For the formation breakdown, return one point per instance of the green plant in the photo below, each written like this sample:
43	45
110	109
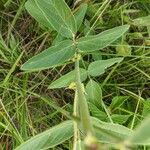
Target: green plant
88	131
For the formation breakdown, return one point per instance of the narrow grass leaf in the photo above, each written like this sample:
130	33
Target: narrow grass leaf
102	40
53	13
53	56
67	79
50	138
12	69
141	135
97	68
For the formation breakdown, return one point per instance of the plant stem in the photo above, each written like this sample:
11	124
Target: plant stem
76	130
148	30
82	103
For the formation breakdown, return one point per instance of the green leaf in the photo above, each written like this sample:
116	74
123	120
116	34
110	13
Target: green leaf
53	13
142	21
94	93
96	56
110	133
87	28
97	68
124	49
50	138
37	13
80	14
141	135
51	57
97	112
117	101
67	79
104	39
121	119
146	108
58	39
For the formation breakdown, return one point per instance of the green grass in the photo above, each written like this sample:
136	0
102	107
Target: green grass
27	107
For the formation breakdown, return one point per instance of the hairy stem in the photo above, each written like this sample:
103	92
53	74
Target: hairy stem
76	130
82	103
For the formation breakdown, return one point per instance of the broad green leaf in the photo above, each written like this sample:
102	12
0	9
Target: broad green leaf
53	56
121	119
117	101
97	68
80	14
53	13
67	79
59	38
87	28
141	135
143	21
96	112
104	39
50	138
94	93
146	108
37	13
110	133
96	56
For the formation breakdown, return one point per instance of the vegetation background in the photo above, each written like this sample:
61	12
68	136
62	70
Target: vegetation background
27	107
